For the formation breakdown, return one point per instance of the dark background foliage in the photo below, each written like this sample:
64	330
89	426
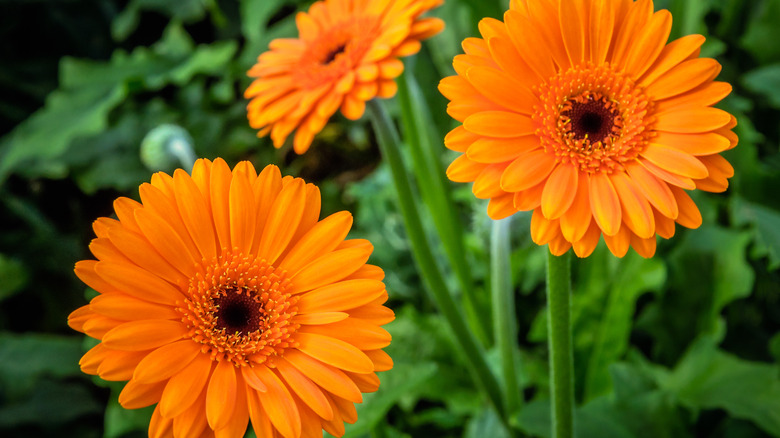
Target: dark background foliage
685	344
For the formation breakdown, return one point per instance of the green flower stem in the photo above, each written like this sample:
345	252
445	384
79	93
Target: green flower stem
416	124
559	335
389	144
504	323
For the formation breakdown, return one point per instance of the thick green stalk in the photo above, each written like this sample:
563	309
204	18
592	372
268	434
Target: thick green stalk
389	144
504	321
417	125
559	336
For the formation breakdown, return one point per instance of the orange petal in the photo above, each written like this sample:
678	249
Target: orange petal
559	191
192	422
636	211
136	395
502	89
689	216
283	220
674	161
125	208
382	361
577	219
527	171
126	307
241	202
585	246
692	120
459	139
329	378
685	76
138	283
166	241
279	404
694	144
655	190
643	247
672	55
362	334
499	150
340	296
605	204
119	365
501	207
220	203
321	239
619	243
334	352
529	199
669	177
543	230
145	334
195	214
221	394
487	185
166	361
500	124
649	43
185	387
143	254
330	268
160	427
463	169
573	16
310	393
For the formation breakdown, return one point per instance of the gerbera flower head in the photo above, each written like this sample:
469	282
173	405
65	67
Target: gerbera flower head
580	111
223	299
346	54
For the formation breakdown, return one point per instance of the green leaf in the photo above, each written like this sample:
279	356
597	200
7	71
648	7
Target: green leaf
26	358
66	116
255	15
400	382
486	424
766	228
761	35
14	276
707	378
51	403
634	277
764	81
120	421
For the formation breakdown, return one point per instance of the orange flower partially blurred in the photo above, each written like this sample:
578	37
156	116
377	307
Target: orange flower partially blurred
580	111
346	54
223	299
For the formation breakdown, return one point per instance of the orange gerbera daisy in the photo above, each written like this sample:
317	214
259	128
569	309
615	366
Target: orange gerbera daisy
222	298
347	53
580	111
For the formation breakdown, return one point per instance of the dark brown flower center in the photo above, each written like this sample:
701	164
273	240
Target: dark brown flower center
591	117
237	312
331	55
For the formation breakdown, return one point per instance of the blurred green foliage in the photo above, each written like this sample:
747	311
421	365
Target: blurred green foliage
686	344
